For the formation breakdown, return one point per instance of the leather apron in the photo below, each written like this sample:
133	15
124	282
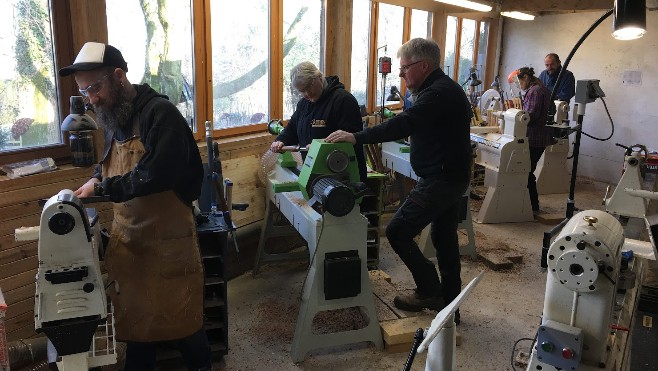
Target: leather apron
153	259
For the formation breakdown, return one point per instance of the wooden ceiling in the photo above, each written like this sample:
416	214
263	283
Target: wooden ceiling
541	6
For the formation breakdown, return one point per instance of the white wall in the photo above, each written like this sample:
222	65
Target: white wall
634	108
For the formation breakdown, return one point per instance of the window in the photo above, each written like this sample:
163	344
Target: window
466	49
302	27
482	49
449	52
472	37
421	24
157	46
389	34
360	43
29	106
240	54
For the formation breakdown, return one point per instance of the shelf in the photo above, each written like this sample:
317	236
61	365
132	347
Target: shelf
212	303
213	325
214	280
213	249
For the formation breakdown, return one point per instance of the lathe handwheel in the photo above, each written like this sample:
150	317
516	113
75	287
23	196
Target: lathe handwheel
337	161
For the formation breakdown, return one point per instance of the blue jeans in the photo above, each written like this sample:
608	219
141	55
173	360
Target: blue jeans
194	349
433	200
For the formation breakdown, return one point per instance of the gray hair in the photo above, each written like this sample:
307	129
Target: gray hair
304	73
421	49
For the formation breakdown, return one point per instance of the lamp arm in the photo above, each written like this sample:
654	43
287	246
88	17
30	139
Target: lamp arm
551	107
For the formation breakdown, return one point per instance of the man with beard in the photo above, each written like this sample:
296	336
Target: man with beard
548	77
151	169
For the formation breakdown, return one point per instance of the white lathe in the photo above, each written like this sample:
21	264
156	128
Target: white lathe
552	171
504	153
70	302
335	233
627	199
590	301
395	159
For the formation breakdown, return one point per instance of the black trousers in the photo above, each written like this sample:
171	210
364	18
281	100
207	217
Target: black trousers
434	201
535	155
194	349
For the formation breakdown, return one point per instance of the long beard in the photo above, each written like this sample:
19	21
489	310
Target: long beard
115	115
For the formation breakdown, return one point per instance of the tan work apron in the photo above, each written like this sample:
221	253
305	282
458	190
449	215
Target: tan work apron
153	258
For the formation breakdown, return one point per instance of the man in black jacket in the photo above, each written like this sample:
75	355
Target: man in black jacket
324	108
151	169
438	124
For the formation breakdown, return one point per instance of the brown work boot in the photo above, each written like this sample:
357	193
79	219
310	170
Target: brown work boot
415	302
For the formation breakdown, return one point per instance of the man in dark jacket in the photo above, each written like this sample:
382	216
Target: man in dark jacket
151	169
438	124
548	77
324	108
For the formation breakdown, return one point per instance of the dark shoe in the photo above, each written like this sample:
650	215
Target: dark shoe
416	302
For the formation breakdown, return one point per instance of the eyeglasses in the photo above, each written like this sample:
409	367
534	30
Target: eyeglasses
405	68
94	88
307	88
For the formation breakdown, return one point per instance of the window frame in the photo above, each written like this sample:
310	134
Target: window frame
68	38
63	48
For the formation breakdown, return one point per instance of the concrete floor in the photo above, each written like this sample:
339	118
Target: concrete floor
505	307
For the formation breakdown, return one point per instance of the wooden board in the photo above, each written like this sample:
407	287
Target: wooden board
20	293
402	330
18	266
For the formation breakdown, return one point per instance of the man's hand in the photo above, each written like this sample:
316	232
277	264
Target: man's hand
87	189
340	136
276	146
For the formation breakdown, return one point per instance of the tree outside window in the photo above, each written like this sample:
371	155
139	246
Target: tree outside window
302	35
360	46
155	38
421	24
240	63
28	96
389	33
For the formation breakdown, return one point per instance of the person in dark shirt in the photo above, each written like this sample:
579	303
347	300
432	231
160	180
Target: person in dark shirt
151	169
325	107
438	124
548	77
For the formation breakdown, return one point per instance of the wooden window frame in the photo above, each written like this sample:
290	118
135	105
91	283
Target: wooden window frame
68	38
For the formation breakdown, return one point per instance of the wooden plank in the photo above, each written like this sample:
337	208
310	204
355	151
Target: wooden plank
339	40
401	331
555	5
19	208
495	261
8	227
17	281
21	307
246	152
25	332
19	321
8	242
65	172
19	266
18	253
21	293
37	192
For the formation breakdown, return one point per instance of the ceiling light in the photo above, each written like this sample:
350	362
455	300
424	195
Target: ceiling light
467	4
630	19
518	15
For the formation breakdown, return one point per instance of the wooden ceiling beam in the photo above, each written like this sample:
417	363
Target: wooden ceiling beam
556	5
